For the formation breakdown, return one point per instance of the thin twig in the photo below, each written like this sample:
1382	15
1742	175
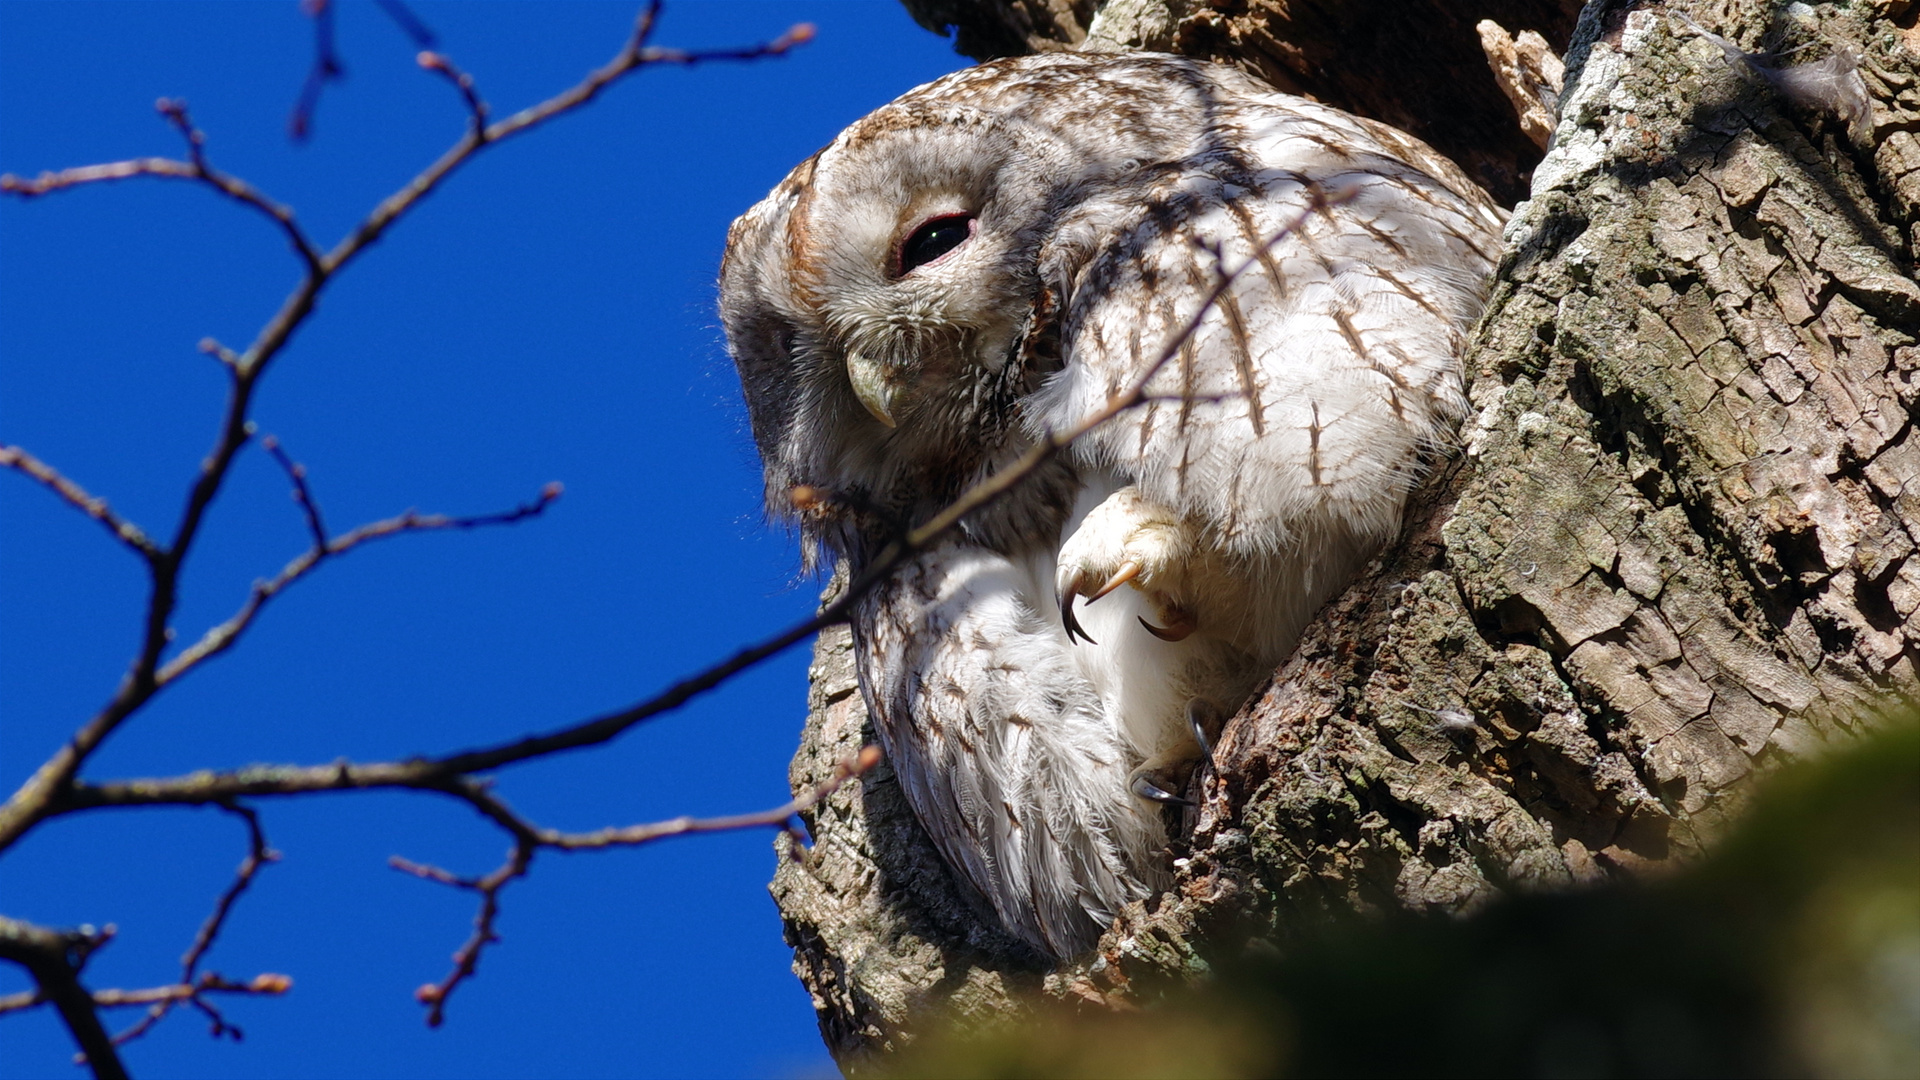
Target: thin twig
463	82
193	984
302	494
196	169
529	838
223	637
466	959
418	32
13	457
630	835
227	357
262	985
326	68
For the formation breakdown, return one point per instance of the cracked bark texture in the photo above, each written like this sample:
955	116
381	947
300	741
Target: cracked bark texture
1675	550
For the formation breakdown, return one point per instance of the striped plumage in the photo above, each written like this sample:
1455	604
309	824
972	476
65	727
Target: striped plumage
994	255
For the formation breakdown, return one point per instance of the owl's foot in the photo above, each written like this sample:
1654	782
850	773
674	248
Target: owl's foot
1127	540
1170	771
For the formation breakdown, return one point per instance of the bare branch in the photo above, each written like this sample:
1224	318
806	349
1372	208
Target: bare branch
528	839
463	82
227	357
258	855
48	182
326	68
262	985
193	985
859	764
466	960
222	637
55	959
13	457
175	110
30	803
797	34
302	494
634	55
195	168
418	32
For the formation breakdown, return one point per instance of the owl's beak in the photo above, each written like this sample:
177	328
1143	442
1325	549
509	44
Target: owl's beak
874	385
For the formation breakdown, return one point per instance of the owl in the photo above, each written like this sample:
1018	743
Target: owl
994	257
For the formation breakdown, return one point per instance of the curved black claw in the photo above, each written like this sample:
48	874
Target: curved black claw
1179	631
1144	787
1072	624
1200	733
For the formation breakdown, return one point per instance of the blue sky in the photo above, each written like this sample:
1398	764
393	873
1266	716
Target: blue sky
547	316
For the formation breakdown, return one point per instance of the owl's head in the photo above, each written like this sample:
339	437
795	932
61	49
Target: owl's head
874	302
877	301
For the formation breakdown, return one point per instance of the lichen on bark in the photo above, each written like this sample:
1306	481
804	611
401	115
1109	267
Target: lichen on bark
1676	549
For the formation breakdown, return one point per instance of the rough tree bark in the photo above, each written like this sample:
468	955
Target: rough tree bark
1676	549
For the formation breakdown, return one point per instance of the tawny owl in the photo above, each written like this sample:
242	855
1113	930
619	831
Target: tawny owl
991	258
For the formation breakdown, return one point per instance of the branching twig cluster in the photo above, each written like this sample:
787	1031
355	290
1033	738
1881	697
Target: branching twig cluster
326	57
529	839
56	957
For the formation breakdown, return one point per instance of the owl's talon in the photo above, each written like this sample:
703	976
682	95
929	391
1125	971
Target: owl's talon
1200	733
1072	624
1182	628
1144	787
1127	572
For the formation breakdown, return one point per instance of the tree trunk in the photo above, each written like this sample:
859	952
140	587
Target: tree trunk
1676	550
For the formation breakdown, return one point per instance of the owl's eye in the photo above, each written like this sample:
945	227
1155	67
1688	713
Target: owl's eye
934	238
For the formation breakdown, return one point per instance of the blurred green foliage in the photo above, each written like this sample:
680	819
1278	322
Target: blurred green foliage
1793	950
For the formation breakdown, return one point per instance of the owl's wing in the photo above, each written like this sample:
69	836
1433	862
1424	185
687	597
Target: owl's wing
1305	400
1000	744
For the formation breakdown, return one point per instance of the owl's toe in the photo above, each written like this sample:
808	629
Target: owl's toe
1147	786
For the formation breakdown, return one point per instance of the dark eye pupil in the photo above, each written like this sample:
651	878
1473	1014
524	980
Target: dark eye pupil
934	239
